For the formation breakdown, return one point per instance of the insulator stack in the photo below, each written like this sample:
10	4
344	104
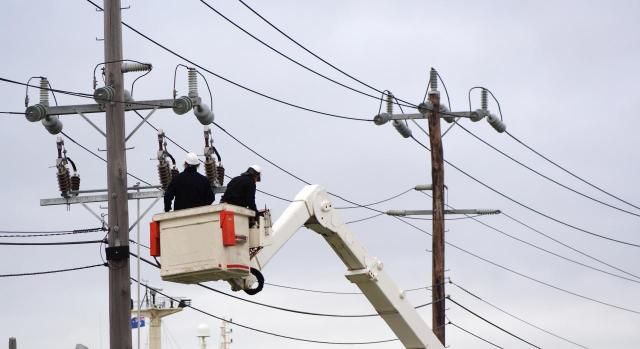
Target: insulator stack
433	79
75	182
174	172
44	92
220	174
193	82
483	99
164	172
389	103
64	182
210	170
128	67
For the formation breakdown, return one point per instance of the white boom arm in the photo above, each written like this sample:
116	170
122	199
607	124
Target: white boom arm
312	208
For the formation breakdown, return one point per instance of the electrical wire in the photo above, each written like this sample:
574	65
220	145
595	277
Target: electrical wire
24	234
377	202
529	207
52	271
546	177
51	243
570	172
284	55
264	331
277	307
12	112
365	219
100	157
524	275
473	334
233	82
492	324
548	251
569	246
517	317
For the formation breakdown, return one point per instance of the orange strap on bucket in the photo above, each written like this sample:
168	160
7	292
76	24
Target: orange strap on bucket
227	225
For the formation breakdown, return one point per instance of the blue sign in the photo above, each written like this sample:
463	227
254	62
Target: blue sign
135	323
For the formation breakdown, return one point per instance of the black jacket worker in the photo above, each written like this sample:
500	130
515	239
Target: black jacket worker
189	188
241	190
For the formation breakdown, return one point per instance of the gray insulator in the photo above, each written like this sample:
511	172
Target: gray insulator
36	112
477	115
133	67
220	174
44	91
449	119
433	79
484	99
402	128
127	96
52	124
192	77
104	94
381	119
182	105
210	170
496	123
204	114
165	174
75	182
64	182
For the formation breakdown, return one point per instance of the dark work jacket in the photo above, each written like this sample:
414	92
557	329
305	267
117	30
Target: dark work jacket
241	191
190	189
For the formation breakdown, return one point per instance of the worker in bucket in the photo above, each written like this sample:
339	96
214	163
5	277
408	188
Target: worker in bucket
189	188
241	190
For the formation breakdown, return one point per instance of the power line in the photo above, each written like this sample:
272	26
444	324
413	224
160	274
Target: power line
493	324
377	202
524	275
27	234
269	332
529	207
287	57
568	246
548	251
315	55
232	82
517	318
570	172
100	157
473	334
59	243
53	271
546	177
277	307
365	219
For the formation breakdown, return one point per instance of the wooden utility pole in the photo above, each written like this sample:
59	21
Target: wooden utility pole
118	249
437	178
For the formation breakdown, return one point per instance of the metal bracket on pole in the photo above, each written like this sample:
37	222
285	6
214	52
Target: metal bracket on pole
91	123
141	122
144	213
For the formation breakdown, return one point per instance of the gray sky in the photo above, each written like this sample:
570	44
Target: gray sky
565	74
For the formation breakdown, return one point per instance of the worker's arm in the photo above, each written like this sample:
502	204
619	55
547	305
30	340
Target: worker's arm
251	196
209	196
169	194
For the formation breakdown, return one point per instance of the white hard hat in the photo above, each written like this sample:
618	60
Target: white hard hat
192	159
257	168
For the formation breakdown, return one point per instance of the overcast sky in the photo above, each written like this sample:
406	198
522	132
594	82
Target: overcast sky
565	73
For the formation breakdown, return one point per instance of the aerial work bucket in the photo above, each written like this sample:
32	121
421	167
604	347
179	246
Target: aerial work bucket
207	243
